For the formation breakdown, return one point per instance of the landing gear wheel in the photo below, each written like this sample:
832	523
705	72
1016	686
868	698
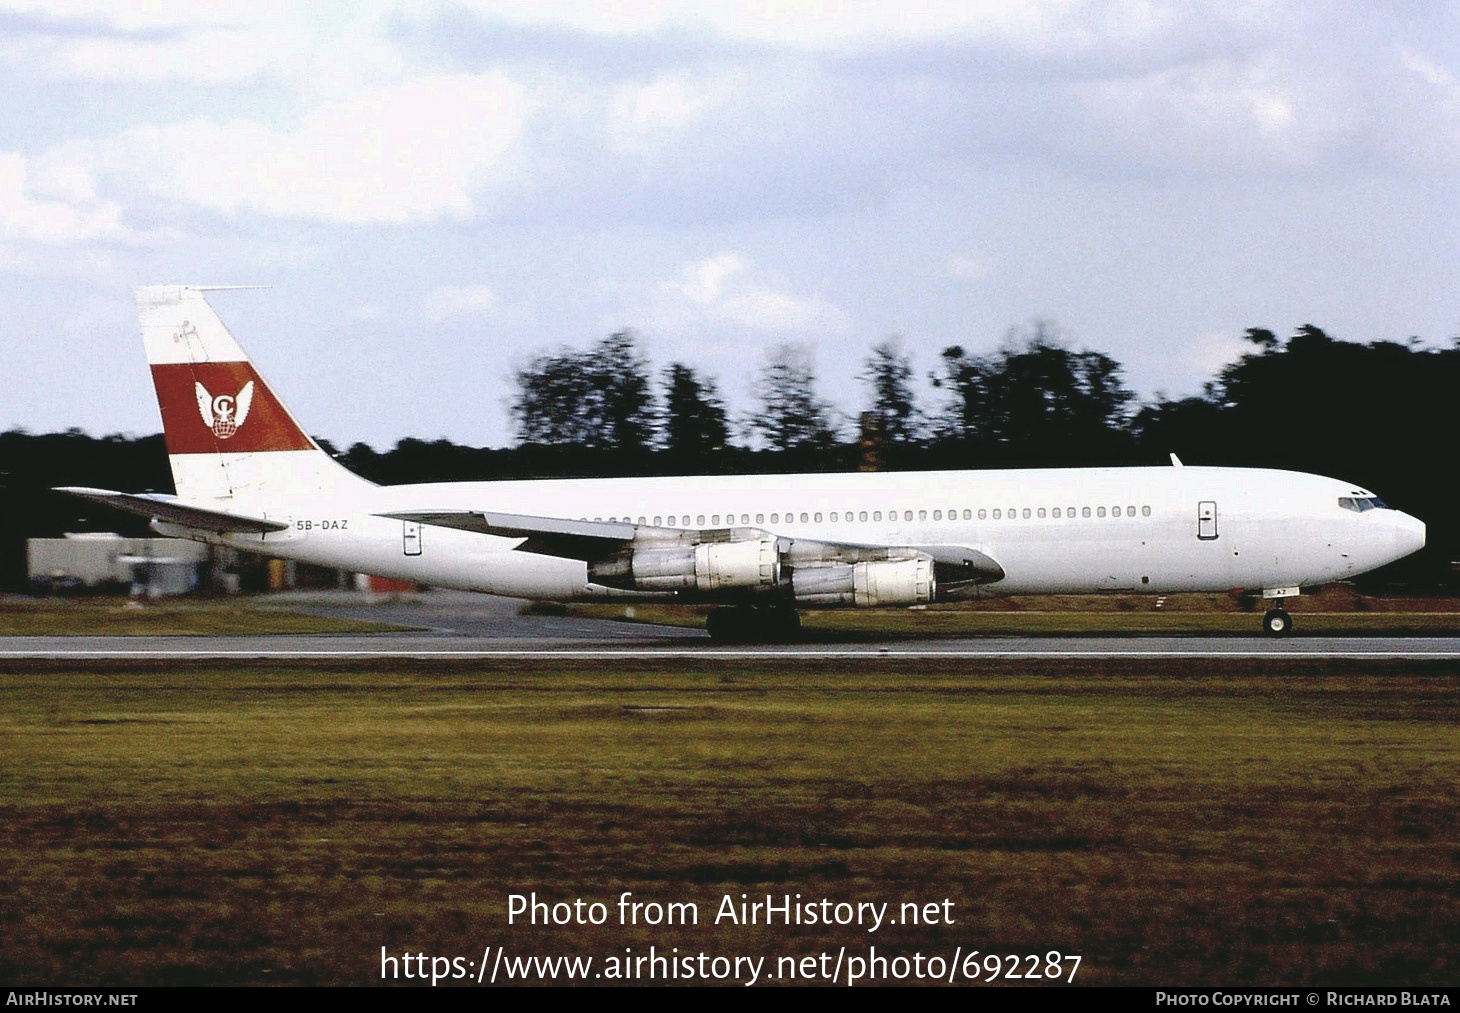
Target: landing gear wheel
782	624
1277	623
725	625
753	624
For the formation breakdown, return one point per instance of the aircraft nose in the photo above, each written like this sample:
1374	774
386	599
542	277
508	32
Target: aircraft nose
1409	534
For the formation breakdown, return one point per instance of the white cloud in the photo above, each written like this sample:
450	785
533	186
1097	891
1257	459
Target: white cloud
813	25
76	218
1430	72
456	300
315	50
969	266
722	289
1218	113
1205	355
429	148
643	115
209	57
704	280
155	15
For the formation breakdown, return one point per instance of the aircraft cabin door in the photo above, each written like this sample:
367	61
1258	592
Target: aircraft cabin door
1206	520
411	537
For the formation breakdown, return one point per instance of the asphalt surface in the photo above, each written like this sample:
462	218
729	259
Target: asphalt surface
444	624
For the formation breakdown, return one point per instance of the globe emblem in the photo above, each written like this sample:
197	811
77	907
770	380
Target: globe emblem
225	413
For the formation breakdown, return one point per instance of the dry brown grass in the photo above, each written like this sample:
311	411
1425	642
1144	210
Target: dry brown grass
54	617
1224	824
1333	611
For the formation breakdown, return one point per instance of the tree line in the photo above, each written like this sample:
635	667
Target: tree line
602	405
1378	414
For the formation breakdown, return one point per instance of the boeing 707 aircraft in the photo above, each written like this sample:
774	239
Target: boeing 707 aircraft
759	547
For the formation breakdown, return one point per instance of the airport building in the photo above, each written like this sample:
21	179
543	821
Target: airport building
162	567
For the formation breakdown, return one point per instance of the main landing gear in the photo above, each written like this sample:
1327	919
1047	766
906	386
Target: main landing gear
1277	623
753	624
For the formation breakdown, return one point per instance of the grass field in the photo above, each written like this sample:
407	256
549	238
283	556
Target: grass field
1230	823
56	617
1335	611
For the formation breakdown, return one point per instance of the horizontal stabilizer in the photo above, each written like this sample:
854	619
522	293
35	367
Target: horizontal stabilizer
170	509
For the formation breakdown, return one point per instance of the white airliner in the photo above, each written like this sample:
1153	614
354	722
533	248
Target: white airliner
761	546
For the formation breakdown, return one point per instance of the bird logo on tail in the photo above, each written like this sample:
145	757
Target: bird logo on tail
226	413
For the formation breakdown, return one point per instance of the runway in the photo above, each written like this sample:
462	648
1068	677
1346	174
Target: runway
474	626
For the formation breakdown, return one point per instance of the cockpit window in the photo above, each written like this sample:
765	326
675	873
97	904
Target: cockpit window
1359	504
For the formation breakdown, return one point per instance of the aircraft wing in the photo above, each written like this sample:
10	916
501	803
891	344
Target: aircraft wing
174	511
593	540
549	536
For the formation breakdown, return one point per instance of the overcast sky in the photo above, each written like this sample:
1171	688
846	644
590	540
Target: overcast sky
437	192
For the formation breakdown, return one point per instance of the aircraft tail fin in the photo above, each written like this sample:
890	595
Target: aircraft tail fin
227	434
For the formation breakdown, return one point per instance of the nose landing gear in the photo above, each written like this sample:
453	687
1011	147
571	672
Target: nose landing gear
1277	623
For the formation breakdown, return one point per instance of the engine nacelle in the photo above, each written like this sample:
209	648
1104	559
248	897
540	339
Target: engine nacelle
866	585
708	566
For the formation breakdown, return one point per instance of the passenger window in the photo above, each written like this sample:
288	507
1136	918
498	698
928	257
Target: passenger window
760	518
998	514
1026	513
1085	512
876	515
775	518
1145	511
1100	512
818	518
922	515
937	515
1056	513
1041	511
864	515
803	518
968	515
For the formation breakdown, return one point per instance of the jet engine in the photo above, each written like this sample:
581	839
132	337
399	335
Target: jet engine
706	567
866	585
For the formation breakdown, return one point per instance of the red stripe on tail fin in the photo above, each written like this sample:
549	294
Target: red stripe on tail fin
222	408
